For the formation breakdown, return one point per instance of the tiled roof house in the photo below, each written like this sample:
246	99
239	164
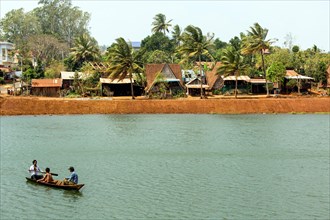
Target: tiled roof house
46	87
213	81
168	73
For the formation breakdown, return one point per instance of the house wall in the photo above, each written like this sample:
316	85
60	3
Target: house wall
67	83
166	89
5	48
195	91
120	90
46	91
242	86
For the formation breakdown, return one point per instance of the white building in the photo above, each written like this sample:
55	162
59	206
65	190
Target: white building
6	57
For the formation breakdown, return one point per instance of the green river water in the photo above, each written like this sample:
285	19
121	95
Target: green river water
169	166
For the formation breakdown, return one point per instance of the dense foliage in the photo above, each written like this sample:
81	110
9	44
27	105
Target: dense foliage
55	35
124	61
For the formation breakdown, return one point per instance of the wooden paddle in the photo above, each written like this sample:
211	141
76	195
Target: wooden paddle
53	174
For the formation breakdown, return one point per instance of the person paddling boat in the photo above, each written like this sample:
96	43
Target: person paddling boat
35	171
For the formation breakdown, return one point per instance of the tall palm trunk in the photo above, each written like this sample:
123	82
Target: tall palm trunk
200	73
235	86
132	90
264	71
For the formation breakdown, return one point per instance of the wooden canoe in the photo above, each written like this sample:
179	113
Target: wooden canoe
66	187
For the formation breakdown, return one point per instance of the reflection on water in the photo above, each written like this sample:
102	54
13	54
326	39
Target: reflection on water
72	195
169	166
66	193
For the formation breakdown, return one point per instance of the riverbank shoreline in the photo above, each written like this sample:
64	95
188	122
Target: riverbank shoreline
11	105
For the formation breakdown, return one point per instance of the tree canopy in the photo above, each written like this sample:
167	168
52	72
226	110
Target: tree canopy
60	19
56	18
255	42
160	24
232	63
124	61
194	45
85	49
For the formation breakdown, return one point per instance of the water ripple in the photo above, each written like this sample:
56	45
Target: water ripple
169	167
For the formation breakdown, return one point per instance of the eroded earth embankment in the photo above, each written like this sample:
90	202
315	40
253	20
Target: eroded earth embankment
57	106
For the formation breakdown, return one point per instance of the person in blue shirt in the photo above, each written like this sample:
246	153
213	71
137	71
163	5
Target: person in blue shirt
72	179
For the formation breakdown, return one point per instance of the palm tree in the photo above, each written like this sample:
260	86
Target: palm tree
255	42
177	34
160	24
232	63
85	49
124	61
195	44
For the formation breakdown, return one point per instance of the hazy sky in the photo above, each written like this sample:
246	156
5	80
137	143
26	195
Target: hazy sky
306	21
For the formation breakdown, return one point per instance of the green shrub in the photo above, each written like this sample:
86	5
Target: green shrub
179	94
73	95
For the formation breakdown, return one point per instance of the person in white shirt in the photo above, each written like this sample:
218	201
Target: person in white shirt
35	171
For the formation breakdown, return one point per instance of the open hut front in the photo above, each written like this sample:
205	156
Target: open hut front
119	87
164	80
211	81
166	88
294	82
258	86
68	78
194	87
46	87
243	85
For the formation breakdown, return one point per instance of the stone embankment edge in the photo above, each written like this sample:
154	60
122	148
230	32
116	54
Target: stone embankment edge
36	106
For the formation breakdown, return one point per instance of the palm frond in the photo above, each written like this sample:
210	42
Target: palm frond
160	24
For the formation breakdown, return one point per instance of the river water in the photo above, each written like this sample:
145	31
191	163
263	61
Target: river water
168	166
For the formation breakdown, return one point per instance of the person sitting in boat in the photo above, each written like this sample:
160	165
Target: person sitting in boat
72	179
35	170
48	178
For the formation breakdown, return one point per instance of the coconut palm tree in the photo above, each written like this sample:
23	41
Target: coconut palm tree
124	61
195	44
85	49
177	34
232	63
160	24
255	42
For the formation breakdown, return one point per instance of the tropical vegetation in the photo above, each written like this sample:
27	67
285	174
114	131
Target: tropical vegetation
124	61
194	46
55	36
255	43
160	24
232	63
